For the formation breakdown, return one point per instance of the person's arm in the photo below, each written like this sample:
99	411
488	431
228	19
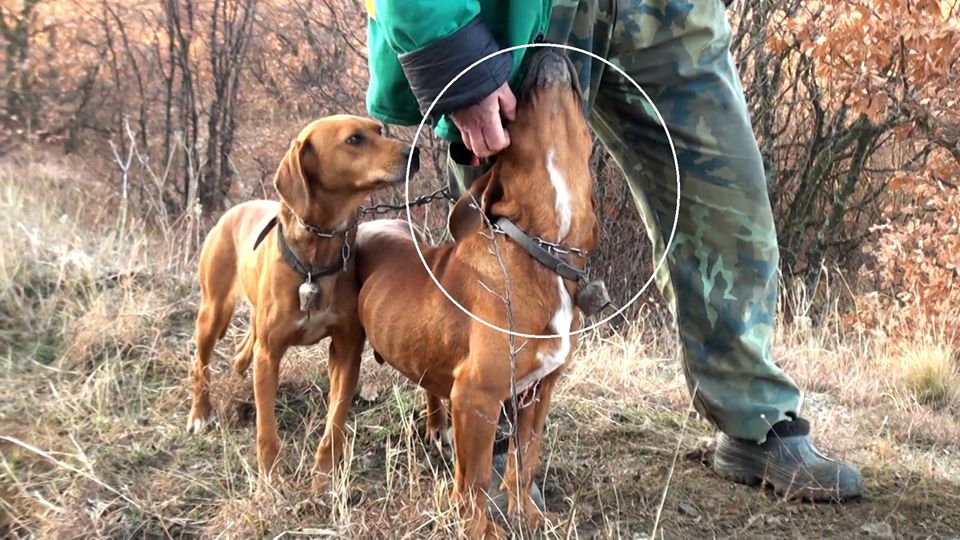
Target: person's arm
434	42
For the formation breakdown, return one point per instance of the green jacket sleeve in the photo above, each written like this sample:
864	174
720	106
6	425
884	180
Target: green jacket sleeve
437	40
409	25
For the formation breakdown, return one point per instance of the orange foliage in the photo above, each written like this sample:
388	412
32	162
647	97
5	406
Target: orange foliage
914	265
897	62
881	51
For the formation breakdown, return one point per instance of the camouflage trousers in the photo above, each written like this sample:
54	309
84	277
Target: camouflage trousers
720	276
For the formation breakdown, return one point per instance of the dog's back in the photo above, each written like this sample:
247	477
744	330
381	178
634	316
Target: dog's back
228	241
379	236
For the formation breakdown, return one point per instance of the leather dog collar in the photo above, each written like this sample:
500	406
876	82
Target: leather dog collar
291	258
265	231
542	251
312	273
591	296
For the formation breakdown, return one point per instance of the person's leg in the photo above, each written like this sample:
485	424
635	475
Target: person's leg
720	276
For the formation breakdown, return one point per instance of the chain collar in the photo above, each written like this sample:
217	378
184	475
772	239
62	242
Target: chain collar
308	271
322	233
380	209
551	247
346	251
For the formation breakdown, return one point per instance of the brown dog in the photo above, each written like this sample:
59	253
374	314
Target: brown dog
269	252
542	184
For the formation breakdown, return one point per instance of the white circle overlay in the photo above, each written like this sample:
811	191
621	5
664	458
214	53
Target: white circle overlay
413	234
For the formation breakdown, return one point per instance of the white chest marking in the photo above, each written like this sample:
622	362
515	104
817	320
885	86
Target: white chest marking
562	202
560	325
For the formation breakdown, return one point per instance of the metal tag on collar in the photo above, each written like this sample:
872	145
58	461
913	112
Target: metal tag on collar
309	295
592	297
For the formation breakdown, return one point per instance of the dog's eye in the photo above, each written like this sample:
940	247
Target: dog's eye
355	139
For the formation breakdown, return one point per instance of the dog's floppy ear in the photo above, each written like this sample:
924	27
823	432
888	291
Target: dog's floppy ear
483	193
465	216
291	180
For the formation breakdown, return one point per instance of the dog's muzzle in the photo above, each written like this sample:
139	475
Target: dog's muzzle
549	67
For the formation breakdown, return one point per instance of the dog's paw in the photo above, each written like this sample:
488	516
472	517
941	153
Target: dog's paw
481	526
321	484
199	420
312	505
439	439
494	531
530	517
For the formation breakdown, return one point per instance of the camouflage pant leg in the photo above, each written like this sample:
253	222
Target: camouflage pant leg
721	272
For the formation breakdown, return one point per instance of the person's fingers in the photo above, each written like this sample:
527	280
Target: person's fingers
481	125
495	137
467	140
508	103
480	146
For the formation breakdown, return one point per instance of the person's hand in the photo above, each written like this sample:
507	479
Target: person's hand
481	125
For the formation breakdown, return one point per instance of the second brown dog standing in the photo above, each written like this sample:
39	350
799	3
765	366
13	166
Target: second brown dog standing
293	254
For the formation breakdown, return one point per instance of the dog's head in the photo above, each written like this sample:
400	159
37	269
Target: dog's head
547	160
339	160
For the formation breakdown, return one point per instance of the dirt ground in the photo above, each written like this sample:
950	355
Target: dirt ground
128	469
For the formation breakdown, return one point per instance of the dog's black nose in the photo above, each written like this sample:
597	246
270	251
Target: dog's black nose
553	67
548	67
415	163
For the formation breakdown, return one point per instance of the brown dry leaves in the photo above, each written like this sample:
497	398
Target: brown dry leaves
876	53
914	265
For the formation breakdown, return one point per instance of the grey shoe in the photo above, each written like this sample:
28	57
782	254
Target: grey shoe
499	498
789	462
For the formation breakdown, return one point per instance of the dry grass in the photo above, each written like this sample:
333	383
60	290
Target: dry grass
97	314
929	372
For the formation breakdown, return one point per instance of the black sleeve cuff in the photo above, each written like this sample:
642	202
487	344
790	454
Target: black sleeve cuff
429	69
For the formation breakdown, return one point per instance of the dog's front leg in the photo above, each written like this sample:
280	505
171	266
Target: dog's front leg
343	368
475	411
266	372
530	425
216	309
